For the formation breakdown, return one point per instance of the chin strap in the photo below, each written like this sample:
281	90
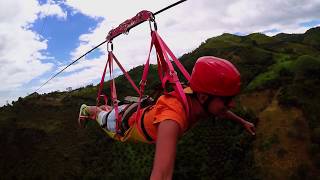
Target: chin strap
205	105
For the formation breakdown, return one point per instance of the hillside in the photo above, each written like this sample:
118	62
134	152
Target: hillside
39	137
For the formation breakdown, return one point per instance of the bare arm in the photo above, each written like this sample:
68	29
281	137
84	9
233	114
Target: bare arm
165	155
247	125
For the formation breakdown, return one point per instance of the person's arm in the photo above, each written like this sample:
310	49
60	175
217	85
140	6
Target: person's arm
165	155
247	125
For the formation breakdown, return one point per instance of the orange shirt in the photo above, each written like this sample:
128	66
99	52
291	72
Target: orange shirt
166	107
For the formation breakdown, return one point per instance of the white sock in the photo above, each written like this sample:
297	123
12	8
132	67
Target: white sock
101	119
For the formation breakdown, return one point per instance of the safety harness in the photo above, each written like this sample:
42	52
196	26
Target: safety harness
166	71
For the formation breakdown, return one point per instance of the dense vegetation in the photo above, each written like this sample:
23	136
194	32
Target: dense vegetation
39	137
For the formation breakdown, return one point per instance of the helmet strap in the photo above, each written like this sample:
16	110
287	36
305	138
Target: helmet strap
205	105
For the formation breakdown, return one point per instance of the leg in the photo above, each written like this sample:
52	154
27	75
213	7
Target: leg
92	113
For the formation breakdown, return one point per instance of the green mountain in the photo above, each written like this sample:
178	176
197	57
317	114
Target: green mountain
39	137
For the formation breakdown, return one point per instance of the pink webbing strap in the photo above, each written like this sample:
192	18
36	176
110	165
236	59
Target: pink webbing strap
126	74
144	77
163	68
177	62
102	80
171	75
160	73
114	94
101	87
113	90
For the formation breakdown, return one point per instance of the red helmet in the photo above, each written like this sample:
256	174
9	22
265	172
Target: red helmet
215	76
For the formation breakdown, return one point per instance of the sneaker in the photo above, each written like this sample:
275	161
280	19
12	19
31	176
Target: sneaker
83	116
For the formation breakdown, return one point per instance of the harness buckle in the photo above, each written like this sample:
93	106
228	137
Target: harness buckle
115	101
173	77
143	82
172	73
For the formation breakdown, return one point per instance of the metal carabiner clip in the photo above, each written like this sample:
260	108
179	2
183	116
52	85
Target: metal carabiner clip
110	46
153	24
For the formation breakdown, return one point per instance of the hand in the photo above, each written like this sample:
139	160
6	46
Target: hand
249	127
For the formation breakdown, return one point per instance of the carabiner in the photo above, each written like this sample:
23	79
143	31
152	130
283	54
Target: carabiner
110	46
154	26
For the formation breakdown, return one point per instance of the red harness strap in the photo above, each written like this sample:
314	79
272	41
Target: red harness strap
166	71
113	89
143	81
170	74
166	74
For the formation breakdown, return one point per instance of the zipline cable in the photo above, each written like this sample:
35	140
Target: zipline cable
158	12
71	64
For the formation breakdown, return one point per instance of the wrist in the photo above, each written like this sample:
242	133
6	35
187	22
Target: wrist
242	121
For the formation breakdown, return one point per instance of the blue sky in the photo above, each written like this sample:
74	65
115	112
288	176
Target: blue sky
66	31
38	38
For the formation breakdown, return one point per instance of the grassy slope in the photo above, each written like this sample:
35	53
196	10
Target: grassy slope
283	138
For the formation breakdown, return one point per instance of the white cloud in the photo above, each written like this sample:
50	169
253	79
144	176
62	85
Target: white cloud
260	15
183	27
51	9
186	25
116	10
21	49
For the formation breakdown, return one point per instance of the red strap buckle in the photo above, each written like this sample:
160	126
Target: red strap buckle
143	83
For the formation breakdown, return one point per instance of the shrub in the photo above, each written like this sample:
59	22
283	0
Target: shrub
281	152
287	98
267	143
301	172
315	135
307	67
314	149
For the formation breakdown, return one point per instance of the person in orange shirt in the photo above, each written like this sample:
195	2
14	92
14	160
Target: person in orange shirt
213	85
